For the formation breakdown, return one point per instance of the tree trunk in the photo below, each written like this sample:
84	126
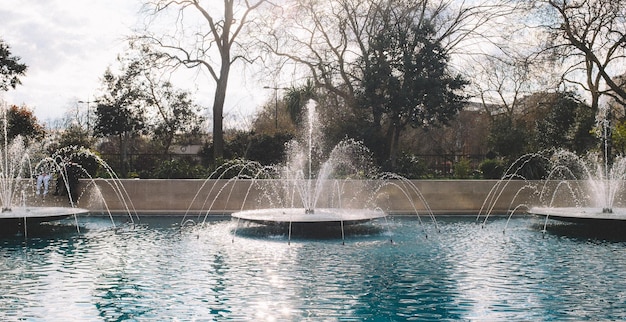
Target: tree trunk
218	126
393	137
218	105
123	154
394	147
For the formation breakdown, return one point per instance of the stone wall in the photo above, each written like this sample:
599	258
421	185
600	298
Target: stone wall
175	197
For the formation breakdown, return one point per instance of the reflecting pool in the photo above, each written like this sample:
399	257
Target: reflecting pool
158	271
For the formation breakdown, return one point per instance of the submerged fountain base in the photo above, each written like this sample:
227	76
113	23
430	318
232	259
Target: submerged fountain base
583	215
302	216
12	219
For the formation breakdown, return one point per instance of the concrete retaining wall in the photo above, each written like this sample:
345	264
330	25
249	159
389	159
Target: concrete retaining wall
175	197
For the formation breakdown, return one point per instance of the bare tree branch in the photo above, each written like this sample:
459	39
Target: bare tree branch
217	30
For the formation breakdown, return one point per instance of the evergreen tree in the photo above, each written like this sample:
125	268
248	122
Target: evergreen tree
10	68
407	82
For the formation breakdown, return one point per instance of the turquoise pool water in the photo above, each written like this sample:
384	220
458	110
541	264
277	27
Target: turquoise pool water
158	272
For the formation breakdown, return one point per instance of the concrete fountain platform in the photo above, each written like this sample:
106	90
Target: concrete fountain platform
582	215
35	215
41	212
299	216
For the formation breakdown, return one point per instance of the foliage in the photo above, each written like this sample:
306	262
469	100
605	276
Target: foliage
144	165
22	121
71	163
176	114
549	121
272	118
79	161
117	119
410	166
532	166
618	136
263	148
220	35
583	139
179	169
10	68
267	149
406	81
297	98
588	37
135	102
75	135
120	109
462	169
492	168
392	59
407	77
565	123
507	138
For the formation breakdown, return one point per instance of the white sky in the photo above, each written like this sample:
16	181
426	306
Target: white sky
67	46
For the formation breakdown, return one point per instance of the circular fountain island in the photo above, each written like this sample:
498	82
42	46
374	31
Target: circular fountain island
588	215
583	190
310	189
13	218
302	216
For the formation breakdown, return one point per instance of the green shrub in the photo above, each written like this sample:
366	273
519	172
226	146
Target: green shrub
492	169
462	169
179	169
410	166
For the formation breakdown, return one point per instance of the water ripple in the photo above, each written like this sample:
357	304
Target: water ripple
158	271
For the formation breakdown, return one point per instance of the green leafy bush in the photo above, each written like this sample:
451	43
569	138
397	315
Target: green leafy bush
462	169
492	169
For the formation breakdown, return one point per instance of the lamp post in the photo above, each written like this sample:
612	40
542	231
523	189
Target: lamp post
87	102
275	102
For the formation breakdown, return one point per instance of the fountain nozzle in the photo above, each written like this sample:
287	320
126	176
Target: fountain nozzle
309	211
607	210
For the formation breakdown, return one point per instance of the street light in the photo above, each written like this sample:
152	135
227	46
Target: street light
275	101
87	102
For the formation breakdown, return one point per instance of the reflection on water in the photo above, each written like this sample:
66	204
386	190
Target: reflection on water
158	271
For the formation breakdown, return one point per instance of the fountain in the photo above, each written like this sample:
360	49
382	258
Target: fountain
299	179
575	189
592	185
311	190
16	176
596	177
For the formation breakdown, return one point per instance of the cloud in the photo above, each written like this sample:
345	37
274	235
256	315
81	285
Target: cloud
67	45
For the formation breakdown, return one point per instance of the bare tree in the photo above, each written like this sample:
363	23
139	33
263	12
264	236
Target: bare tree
206	35
328	38
334	43
589	37
501	81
